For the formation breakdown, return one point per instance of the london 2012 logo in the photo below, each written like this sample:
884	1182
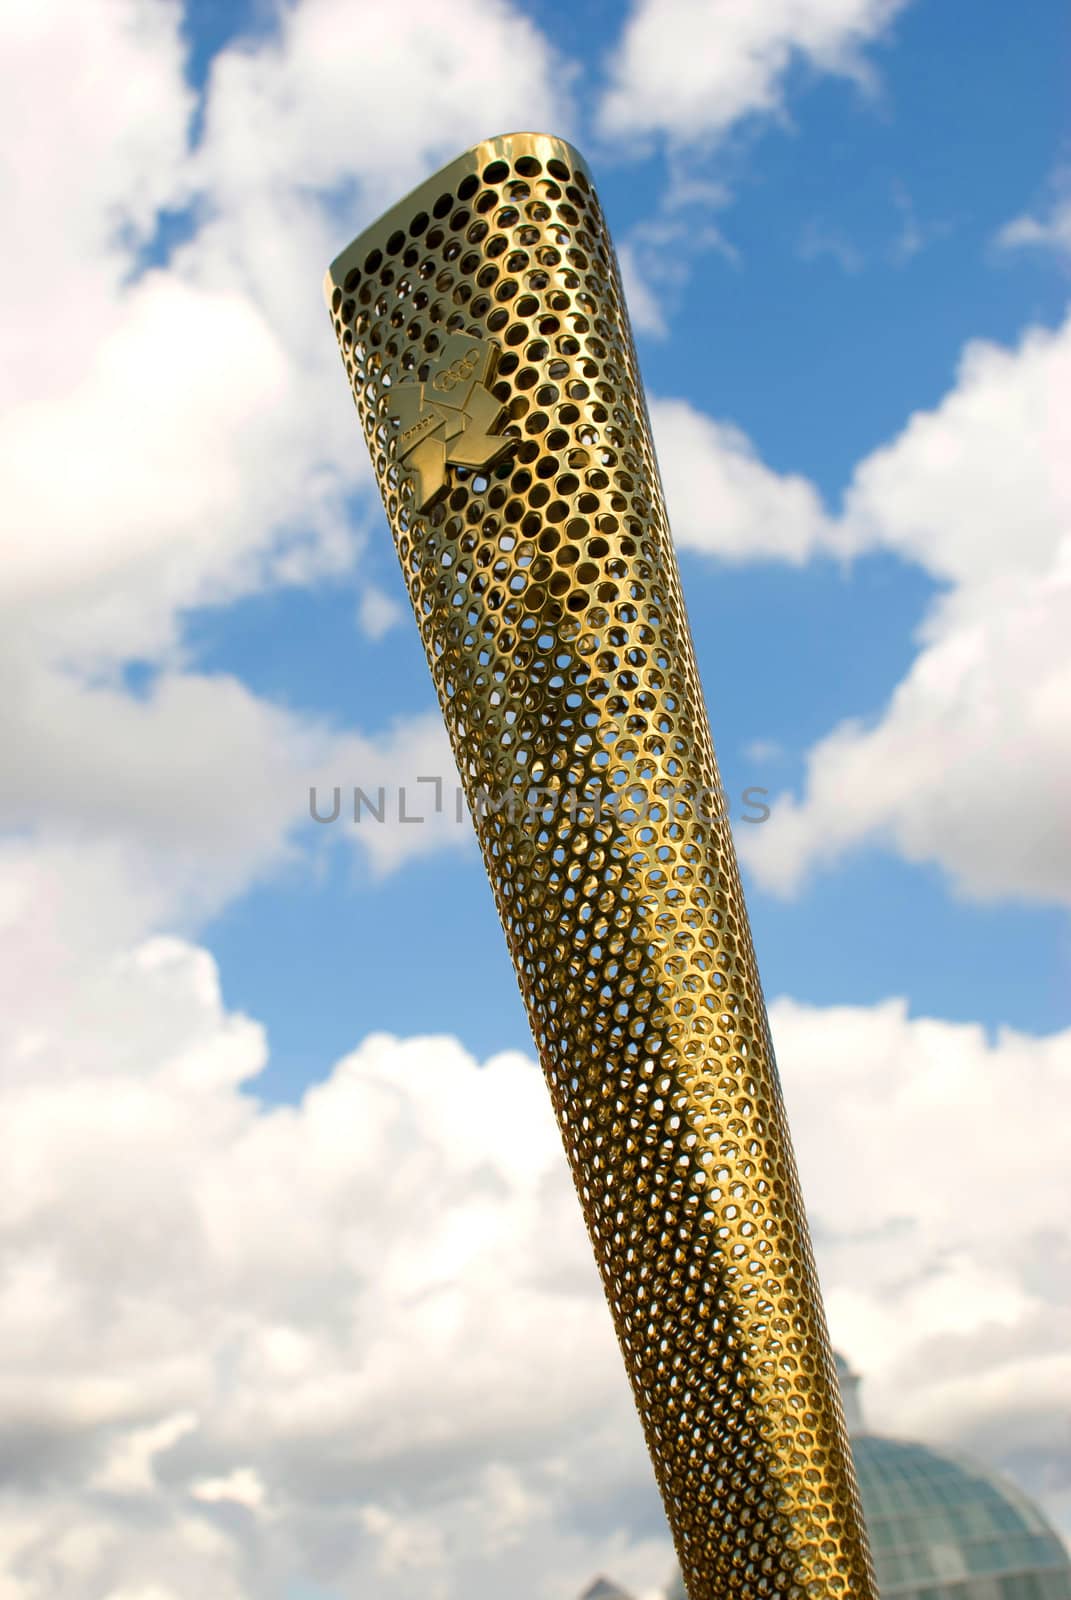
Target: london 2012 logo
451	418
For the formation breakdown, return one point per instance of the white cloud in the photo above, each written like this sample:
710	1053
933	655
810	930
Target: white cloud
657	257
197	787
350	92
723	500
245	1344
243	1486
817	240
691	68
95	103
360	1341
968	763
377	612
1049	231
645	309
935	1195
980	487
180	436
151	435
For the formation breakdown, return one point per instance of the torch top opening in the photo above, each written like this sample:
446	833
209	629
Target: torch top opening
531	157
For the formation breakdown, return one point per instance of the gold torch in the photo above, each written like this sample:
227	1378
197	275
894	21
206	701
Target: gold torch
484	332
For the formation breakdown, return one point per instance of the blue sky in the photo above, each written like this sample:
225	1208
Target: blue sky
298	1287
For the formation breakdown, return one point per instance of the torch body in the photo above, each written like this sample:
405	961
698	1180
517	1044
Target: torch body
486	338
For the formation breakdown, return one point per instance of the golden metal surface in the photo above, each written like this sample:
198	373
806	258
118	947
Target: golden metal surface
547	593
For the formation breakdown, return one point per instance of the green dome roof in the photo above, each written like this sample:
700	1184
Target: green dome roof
947	1529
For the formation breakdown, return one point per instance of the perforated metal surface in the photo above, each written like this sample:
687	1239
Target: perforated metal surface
546	590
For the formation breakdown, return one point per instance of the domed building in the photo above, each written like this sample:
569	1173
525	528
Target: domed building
946	1528
943	1527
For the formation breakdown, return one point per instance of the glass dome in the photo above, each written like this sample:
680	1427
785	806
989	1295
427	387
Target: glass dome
947	1529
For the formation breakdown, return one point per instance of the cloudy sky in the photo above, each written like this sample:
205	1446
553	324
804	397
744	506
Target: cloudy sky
295	1300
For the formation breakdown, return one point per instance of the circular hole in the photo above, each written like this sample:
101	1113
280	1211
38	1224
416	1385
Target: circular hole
559	170
527	166
468	186
373	261
395	242
495	172
353	278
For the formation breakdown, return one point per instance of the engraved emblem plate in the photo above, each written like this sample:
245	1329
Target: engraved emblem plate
451	418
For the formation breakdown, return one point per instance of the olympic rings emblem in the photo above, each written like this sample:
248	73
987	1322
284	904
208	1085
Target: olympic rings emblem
457	371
